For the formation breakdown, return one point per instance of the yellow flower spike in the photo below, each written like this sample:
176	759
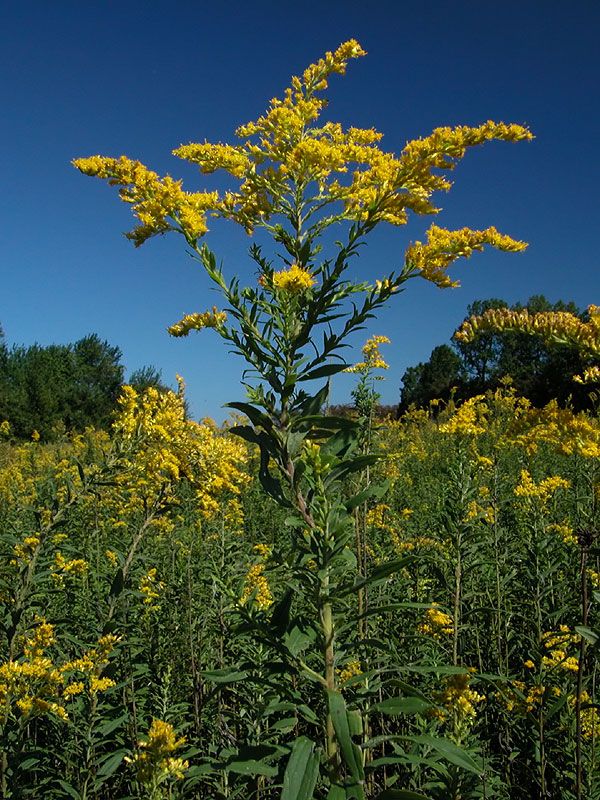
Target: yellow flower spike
372	357
160	204
196	322
437	623
443	247
154	761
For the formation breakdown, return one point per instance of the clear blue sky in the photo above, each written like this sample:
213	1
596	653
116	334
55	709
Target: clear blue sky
140	78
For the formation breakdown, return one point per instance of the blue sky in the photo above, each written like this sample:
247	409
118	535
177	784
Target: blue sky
140	78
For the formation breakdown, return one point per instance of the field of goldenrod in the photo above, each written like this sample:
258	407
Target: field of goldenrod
137	566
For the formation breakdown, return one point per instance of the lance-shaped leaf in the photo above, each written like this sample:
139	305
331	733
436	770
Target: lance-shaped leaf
302	771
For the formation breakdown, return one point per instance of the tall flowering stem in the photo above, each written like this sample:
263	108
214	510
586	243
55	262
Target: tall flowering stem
298	178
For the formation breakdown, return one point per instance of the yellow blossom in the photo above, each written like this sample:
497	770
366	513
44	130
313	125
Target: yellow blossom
437	623
351	670
195	322
371	355
293	280
444	246
153	761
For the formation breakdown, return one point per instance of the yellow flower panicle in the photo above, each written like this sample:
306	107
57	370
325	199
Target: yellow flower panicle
589	715
457	699
211	157
351	670
443	247
372	358
35	685
74	567
437	623
154	762
470	419
557	643
161	447
160	204
196	322
543	490
285	148
293	281
561	428
151	588
256	585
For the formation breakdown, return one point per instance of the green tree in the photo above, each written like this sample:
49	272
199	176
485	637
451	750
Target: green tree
434	379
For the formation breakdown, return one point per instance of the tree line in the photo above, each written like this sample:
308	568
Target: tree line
538	371
63	387
68	387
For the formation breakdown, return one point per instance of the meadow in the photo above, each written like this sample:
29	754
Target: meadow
138	568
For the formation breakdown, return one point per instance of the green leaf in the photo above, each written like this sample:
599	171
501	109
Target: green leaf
449	751
378	574
402	705
255	415
588	634
280	617
323	372
400	794
112	724
70	790
339	717
231	675
251	767
302	771
376	490
117	585
110	765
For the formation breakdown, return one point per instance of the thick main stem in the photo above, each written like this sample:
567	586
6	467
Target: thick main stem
327	625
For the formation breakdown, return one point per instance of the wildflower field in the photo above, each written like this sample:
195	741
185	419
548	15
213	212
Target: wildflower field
304	605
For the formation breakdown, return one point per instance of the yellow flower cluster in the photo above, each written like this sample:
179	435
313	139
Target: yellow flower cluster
458	699
558	643
160	447
565	531
151	588
444	246
590	716
196	322
469	419
372	358
590	375
293	280
568	432
594	577
525	700
35	684
475	511
74	567
211	157
285	150
256	587
351	670
154	761
160	204
437	623
543	490
552	326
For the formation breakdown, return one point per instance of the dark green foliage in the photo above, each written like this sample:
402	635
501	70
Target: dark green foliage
541	372
59	387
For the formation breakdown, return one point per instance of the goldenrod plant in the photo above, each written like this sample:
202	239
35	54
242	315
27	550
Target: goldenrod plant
300	179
